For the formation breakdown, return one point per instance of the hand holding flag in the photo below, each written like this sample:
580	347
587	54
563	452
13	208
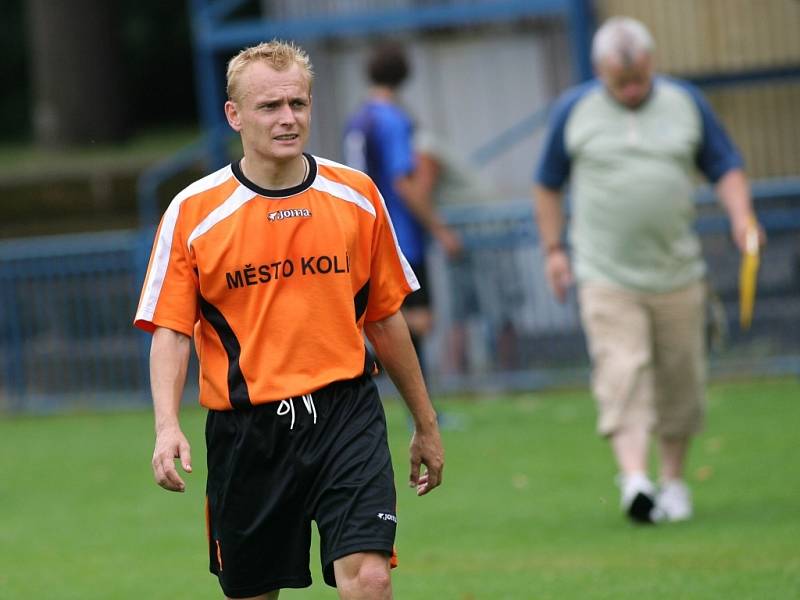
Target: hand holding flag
748	274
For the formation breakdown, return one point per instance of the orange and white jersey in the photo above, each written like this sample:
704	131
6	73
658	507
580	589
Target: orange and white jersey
274	285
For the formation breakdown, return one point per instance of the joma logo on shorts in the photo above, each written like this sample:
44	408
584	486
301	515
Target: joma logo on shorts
387	517
288	213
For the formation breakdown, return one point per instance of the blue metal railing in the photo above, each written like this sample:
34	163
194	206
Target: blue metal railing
377	20
546	337
711	81
510	137
65	318
67	302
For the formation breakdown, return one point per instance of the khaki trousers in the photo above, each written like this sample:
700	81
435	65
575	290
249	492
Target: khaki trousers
648	357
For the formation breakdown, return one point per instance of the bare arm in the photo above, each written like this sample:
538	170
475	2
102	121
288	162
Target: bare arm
733	190
426	174
392	344
417	192
550	220
169	359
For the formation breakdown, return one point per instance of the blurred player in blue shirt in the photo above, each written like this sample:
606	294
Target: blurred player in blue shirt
378	140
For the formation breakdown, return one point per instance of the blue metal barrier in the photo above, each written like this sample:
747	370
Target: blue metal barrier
67	302
498	327
65	321
506	140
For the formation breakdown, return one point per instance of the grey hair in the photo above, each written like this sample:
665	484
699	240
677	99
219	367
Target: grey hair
623	38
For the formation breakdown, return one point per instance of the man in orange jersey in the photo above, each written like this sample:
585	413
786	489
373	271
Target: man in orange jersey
275	265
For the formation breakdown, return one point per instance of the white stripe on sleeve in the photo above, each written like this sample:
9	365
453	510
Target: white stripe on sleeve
232	203
163	246
348	194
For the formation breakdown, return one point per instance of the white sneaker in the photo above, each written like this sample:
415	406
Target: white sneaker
638	497
674	501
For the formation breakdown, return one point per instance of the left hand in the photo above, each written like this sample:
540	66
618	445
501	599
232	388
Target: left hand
426	449
739	229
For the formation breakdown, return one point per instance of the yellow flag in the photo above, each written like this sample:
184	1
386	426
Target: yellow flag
748	273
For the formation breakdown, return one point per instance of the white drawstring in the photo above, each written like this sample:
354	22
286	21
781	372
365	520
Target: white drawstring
308	400
287	406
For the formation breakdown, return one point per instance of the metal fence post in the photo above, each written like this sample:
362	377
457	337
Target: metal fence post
582	24
210	83
15	377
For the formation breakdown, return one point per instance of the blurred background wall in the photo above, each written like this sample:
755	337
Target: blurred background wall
93	92
124	65
752	44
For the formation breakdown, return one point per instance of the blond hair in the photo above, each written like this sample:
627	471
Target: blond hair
277	54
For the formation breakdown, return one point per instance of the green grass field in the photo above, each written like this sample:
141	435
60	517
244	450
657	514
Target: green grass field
528	509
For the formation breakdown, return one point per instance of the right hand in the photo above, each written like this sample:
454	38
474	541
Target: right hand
558	273
171	444
426	449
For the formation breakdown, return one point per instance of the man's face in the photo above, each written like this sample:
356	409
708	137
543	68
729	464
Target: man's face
628	81
272	112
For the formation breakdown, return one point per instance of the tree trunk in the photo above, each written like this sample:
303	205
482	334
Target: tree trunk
76	72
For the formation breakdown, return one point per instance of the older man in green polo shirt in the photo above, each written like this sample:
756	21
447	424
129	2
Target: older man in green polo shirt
629	143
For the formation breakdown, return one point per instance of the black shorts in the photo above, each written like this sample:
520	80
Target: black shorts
420	298
274	468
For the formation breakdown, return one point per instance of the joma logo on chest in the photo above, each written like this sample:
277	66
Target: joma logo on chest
280	215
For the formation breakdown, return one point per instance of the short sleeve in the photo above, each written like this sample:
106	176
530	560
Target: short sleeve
391	276
395	137
553	168
170	289
716	154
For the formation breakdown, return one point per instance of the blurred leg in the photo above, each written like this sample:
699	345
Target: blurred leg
630	447
680	373
680	367
618	334
673	456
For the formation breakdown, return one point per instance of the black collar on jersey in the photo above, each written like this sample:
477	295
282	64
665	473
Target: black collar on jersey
236	167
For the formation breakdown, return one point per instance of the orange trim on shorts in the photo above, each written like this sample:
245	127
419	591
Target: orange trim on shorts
393	560
219	556
208	535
